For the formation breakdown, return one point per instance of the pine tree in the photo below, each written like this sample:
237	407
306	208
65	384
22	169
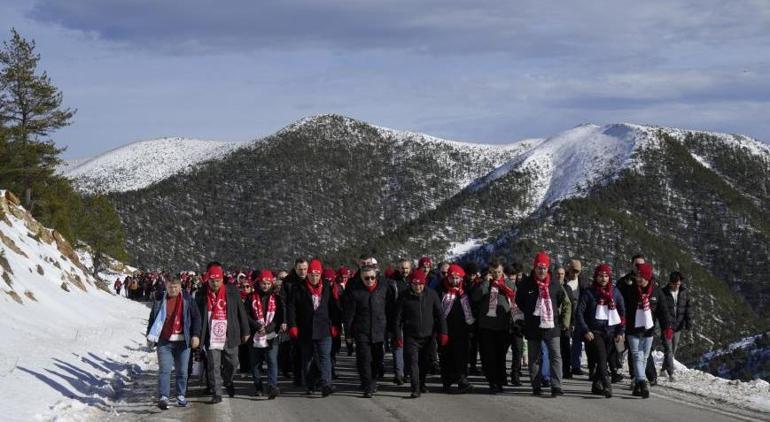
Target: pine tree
30	110
101	229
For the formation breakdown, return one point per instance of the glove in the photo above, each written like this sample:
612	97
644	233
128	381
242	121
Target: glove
397	343
668	333
335	332
294	332
443	339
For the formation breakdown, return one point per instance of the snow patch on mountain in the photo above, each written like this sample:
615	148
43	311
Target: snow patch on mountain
142	163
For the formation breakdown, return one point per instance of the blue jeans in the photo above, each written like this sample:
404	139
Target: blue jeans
576	350
639	347
319	351
268	354
545	370
175	354
398	361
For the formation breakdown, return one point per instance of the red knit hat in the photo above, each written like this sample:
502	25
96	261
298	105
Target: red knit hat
266	275
645	270
418	276
425	260
315	267
542	258
456	270
343	271
329	274
603	268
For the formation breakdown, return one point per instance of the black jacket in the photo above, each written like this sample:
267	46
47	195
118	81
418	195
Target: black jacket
455	319
657	307
366	318
278	319
526	299
586	313
418	315
237	321
680	319
313	324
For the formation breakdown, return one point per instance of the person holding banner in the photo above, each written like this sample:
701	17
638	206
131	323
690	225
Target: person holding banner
267	316
175	326
600	319
225	325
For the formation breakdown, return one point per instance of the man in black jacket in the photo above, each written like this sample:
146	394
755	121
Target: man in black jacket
399	284
267	318
540	297
366	322
677	302
456	306
296	277
314	318
224	327
418	317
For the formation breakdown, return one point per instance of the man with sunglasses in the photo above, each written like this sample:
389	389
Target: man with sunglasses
366	322
677	303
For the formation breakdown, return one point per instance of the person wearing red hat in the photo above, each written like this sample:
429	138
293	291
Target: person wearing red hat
225	325
645	307
329	276
417	319
600	319
313	320
366	322
493	298
456	306
343	276
546	308
267	318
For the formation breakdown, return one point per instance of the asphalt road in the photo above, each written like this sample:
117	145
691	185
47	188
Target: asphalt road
392	403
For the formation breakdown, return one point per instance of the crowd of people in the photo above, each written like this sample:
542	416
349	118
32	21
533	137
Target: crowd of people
441	321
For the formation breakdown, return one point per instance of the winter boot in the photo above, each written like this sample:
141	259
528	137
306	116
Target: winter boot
645	390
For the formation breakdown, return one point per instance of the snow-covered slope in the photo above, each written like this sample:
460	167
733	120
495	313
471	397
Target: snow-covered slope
141	164
66	341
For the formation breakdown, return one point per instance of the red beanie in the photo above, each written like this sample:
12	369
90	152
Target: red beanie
425	260
266	274
542	258
343	271
329	274
215	272
419	277
645	270
456	270
603	268
316	266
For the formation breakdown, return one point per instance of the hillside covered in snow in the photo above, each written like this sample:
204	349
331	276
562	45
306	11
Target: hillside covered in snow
69	344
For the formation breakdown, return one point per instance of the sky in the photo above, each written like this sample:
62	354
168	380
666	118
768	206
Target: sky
474	71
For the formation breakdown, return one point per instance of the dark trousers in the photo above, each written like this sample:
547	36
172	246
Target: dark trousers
566	352
454	360
417	357
221	368
296	360
284	357
369	361
244	354
317	352
473	352
517	350
598	351
493	346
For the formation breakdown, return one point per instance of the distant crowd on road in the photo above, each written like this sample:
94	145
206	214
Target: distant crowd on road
443	321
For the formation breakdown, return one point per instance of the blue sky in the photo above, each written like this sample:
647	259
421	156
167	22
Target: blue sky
477	71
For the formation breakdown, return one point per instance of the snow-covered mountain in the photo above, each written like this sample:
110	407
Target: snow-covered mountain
142	163
66	338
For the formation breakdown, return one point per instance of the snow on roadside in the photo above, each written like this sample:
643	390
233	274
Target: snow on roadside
753	394
69	346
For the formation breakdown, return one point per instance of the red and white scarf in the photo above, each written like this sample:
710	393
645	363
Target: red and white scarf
495	289
605	306
315	292
172	326
257	310
452	293
544	306
643	312
217	313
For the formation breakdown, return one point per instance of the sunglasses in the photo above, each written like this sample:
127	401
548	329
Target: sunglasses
370	278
